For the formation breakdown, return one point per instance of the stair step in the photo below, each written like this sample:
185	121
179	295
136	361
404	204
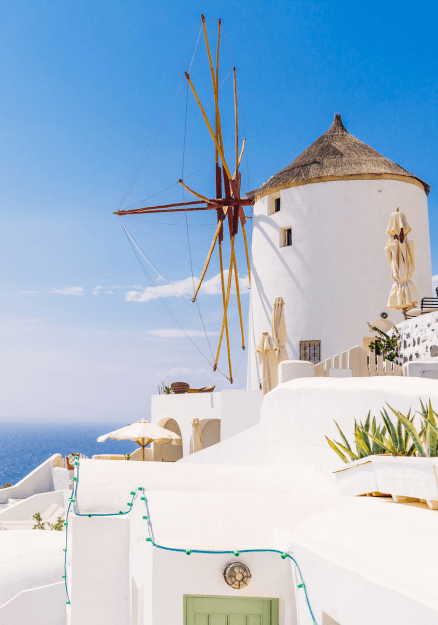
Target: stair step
60	512
49	512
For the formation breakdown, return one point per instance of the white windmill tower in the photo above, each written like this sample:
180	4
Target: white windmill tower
319	235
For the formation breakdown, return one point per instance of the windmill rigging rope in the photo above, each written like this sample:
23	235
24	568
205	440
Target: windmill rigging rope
141	165
160	297
185	298
174	148
165	191
168	248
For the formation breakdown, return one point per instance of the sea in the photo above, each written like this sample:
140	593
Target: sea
25	445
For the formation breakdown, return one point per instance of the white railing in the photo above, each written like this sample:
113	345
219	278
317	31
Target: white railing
362	363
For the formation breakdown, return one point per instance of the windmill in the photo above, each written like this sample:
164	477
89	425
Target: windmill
227	203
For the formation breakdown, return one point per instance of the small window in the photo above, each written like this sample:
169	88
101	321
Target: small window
274	205
310	351
285	237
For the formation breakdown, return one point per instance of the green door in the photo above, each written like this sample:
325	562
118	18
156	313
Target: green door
200	610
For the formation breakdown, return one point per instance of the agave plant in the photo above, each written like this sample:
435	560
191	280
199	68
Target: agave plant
425	441
372	439
397	441
362	435
400	440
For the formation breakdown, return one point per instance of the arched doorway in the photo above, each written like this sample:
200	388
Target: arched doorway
168	453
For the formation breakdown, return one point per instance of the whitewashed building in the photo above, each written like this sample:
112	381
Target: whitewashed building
319	235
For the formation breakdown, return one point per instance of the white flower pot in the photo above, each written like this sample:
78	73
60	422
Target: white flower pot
405	479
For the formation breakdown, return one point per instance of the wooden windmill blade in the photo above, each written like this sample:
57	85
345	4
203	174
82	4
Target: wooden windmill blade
227	202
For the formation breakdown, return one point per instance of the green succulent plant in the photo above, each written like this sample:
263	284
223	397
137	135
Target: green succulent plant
362	434
400	440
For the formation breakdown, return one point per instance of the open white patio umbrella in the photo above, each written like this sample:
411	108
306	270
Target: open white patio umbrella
143	433
268	362
279	329
401	258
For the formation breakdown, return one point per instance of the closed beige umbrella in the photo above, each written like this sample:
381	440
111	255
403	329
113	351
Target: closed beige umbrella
143	433
401	258
279	329
268	362
196	436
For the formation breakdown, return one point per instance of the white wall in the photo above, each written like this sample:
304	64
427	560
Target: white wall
176	574
24	510
298	415
29	559
357	573
335	276
237	410
99	585
184	408
240	410
40	480
44	605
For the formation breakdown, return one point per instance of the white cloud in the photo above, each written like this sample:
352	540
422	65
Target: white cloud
97	290
29	292
68	290
179	288
176	333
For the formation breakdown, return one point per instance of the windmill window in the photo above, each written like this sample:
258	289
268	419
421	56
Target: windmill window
285	237
275	205
310	351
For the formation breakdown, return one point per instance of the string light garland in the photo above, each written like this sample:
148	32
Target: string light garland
150	539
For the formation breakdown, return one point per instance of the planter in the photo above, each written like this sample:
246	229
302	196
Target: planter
357	478
408	479
404	479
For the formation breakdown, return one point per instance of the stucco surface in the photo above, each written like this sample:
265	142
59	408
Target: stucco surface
298	415
24	510
42	606
335	276
370	548
29	558
104	486
40	480
236	409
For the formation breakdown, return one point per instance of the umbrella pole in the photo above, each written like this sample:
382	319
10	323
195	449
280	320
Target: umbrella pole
405	311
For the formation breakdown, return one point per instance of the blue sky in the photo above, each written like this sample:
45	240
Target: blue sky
83	85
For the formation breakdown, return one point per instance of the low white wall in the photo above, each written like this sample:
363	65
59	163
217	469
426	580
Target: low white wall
40	480
419	339
99	585
237	410
24	510
298	415
355	571
29	559
184	408
44	605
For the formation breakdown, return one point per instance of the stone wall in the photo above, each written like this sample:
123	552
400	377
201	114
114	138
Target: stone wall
419	339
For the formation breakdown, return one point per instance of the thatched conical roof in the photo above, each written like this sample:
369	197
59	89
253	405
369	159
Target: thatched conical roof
336	155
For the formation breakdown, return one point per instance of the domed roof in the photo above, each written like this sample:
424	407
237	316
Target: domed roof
336	154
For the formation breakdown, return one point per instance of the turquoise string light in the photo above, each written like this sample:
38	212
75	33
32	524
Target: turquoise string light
284	555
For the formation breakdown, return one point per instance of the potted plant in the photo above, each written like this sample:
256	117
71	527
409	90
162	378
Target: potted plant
396	459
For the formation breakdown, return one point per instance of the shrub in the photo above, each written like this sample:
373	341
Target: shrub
387	346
